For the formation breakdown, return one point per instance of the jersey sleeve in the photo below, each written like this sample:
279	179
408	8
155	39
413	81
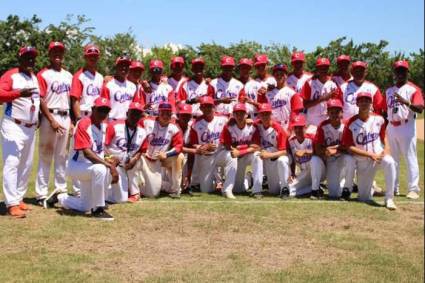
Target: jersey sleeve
81	138
193	137
105	91
347	137
417	97
182	94
177	141
306	91
172	99
225	137
256	139
7	94
281	139
378	102
42	84
110	134
76	86
242	95
320	136
382	132
297	103
210	91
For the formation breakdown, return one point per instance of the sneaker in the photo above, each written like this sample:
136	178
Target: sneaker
101	214
346	194
377	189
412	195
397	193
133	198
389	204
355	188
229	195
50	203
284	192
16	212
23	206
257	195
40	202
174	195
317	194
323	186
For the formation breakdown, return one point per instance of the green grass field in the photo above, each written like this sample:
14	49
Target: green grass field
209	239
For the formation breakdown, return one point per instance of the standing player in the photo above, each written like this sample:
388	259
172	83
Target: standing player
86	84
160	91
364	137
205	138
88	165
273	153
266	80
193	89
298	77
350	89
19	89
55	125
342	74
176	78
227	90
316	91
135	76
120	91
243	141
124	139
403	101
283	99
164	142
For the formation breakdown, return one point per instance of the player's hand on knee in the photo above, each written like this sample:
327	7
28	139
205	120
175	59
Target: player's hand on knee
234	152
114	175
58	128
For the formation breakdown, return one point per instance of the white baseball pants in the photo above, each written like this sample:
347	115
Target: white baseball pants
277	172
130	182
255	161
309	178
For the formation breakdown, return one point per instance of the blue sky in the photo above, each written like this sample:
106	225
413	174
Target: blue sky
304	24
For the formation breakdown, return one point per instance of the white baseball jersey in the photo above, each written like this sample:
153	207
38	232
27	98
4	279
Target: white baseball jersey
339	80
284	102
121	94
294	145
266	82
314	89
160	93
232	135
24	109
327	135
86	87
190	89
348	95
298	83
186	132
251	91
55	87
160	138
397	111
175	84
122	141
367	135
272	138
233	89
203	131
88	135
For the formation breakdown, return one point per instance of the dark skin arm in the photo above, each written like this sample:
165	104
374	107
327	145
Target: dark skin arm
413	107
75	107
92	157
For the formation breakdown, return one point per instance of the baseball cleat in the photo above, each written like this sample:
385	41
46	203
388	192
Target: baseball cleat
49	203
345	194
317	194
412	195
16	212
40	202
133	198
23	206
284	192
396	192
355	188
389	204
101	214
229	195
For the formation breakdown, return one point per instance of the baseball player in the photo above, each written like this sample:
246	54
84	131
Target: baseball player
283	99
342	74
227	90
298	77
300	149
364	137
55	124
124	139
86	84
205	138
273	153
135	73
266	80
403	101
176	78
193	89
327	145
316	91
20	91
87	163
120	91
160	91
243	141
350	89
164	142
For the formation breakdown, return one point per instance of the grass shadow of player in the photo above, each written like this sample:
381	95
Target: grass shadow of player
71	213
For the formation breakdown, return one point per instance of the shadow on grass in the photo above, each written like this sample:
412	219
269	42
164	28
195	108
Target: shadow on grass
71	213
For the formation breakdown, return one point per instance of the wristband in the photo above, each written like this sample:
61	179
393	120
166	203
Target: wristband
171	153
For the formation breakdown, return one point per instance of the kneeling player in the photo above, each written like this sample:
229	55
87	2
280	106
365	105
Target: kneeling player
364	136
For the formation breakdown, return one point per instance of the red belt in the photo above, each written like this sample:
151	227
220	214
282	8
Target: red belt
398	123
27	125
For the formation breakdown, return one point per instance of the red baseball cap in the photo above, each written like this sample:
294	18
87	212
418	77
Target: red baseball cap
281	67
198	60
298	120
364	94
135	106
155	63
227	61
91	50
56	44
298	56
245	61
342	58
206	100
261	59
137	65
123	59
102	102
264	107
165	106
359	64
239	107
177	60
401	64
334	103
27	49
322	62
183	108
